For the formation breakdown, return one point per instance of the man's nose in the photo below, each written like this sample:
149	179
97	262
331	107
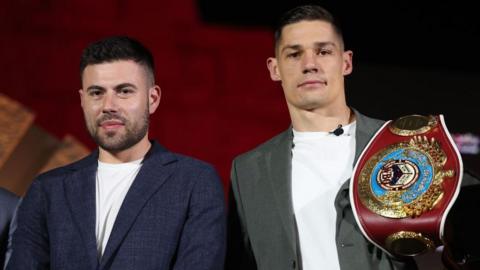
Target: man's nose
309	63
110	102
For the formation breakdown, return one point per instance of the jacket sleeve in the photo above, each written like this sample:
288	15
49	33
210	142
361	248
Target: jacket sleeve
461	236
239	252
30	245
202	243
11	230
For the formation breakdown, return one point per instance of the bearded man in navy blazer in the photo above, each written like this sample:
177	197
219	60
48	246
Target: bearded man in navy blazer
131	204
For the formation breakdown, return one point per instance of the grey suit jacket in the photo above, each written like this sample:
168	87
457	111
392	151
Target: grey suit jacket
262	227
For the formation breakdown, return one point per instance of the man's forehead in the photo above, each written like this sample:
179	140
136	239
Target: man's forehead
111	74
114	65
308	32
112	69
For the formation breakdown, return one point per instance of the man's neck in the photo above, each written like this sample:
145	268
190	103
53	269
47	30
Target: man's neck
322	119
135	152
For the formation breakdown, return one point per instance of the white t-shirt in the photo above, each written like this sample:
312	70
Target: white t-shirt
321	163
112	184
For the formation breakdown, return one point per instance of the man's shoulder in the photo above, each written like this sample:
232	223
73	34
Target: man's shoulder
266	147
8	200
186	162
190	173
368	122
7	195
162	155
184	166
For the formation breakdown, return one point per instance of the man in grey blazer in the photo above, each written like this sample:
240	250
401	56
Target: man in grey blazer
290	207
131	204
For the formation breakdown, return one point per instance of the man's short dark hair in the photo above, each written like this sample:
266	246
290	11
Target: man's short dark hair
118	48
306	13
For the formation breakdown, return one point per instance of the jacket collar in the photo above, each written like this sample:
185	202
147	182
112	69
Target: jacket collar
279	170
158	165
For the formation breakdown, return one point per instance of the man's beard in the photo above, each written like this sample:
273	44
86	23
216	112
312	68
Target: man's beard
112	141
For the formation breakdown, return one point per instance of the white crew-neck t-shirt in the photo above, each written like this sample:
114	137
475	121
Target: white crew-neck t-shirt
321	163
112	184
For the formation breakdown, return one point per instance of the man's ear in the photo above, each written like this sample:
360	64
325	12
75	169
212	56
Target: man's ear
347	62
272	66
154	96
81	94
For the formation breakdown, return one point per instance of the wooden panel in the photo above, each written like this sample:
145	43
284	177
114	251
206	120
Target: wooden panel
15	121
70	150
26	160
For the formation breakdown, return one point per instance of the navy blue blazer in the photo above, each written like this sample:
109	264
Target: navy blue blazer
173	217
8	204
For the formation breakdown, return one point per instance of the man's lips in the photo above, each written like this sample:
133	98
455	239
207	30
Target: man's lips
111	124
311	83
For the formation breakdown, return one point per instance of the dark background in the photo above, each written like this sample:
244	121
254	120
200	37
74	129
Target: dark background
402	33
218	100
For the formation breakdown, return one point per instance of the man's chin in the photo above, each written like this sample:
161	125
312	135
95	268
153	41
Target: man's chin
113	146
110	134
309	105
111	141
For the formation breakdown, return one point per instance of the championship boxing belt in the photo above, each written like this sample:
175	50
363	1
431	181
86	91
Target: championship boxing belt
404	184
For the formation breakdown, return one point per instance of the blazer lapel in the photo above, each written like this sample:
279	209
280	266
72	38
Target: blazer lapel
157	166
279	173
80	194
365	129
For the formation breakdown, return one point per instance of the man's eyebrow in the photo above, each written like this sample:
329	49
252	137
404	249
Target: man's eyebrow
325	44
297	47
294	47
124	85
95	87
